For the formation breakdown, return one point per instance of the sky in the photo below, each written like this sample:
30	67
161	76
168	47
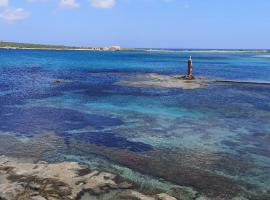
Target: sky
216	24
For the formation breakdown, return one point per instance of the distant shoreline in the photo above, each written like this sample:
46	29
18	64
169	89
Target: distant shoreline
144	50
210	50
29	46
56	49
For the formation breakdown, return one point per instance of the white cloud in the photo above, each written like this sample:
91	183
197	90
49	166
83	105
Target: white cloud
69	4
103	3
4	3
14	14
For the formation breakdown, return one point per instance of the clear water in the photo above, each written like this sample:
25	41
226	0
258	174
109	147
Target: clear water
214	141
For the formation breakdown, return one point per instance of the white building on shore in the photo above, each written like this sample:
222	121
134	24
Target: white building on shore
115	48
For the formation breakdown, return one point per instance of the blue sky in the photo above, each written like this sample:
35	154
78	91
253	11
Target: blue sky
138	23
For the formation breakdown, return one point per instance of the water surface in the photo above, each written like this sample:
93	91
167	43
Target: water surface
213	142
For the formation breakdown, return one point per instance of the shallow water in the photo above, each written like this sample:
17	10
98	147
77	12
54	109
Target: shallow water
214	140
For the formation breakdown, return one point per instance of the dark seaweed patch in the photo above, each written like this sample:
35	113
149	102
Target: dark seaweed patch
39	119
112	140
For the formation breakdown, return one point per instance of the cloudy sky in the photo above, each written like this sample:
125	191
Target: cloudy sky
138	23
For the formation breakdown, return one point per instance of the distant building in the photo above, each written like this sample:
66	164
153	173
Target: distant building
96	48
106	48
115	48
112	48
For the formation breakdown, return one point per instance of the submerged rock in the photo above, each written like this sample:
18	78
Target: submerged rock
164	196
21	180
127	195
156	80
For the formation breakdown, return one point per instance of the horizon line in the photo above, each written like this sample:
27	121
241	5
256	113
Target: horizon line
148	48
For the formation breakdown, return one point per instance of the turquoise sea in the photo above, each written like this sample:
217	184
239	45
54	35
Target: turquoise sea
206	143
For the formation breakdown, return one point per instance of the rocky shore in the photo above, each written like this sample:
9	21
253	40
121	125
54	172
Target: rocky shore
25	180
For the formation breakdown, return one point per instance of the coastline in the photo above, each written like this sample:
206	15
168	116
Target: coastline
141	50
212	50
53	49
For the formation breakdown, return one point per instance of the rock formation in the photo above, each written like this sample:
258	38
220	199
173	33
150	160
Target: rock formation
21	180
165	81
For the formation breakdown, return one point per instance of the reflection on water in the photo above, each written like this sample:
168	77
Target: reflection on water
211	141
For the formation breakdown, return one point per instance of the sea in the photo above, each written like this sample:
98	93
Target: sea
205	143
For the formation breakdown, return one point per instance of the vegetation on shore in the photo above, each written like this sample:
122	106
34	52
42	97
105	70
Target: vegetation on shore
17	45
34	46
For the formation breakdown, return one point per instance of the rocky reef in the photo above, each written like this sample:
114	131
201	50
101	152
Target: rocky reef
21	180
165	81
